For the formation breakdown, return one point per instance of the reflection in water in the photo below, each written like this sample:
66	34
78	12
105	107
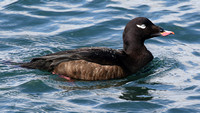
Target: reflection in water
136	93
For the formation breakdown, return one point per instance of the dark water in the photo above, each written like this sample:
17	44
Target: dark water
30	28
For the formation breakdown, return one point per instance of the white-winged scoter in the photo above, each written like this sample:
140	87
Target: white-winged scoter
99	63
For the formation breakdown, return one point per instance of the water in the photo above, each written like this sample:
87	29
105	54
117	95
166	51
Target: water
31	28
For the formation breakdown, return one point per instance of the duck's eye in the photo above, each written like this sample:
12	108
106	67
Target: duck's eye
142	26
161	30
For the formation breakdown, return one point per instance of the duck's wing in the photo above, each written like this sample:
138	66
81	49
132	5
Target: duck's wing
99	55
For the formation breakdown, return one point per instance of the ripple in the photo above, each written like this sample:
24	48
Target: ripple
194	97
190	87
132	106
181	110
85	102
35	86
197	77
185	7
5	3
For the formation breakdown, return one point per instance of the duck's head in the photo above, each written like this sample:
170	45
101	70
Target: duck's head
142	28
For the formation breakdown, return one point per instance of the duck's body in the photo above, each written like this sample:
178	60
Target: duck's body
97	63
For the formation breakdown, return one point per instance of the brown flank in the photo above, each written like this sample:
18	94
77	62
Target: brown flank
81	69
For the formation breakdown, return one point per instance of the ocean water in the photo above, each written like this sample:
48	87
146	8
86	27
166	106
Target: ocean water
31	28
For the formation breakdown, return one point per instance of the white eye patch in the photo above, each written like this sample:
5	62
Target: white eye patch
142	26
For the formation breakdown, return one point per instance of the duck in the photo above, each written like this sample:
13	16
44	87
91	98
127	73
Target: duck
101	63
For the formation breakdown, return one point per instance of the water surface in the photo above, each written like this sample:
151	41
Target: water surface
31	28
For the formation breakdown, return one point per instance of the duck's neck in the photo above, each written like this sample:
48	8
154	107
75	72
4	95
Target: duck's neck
137	56
133	46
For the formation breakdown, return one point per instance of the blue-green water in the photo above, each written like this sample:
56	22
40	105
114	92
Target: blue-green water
30	28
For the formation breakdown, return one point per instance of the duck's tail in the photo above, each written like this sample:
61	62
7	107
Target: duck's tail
38	63
11	63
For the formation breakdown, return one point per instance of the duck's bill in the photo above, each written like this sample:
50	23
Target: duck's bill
163	33
166	33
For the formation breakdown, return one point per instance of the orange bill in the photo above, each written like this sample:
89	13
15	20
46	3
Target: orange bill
165	33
